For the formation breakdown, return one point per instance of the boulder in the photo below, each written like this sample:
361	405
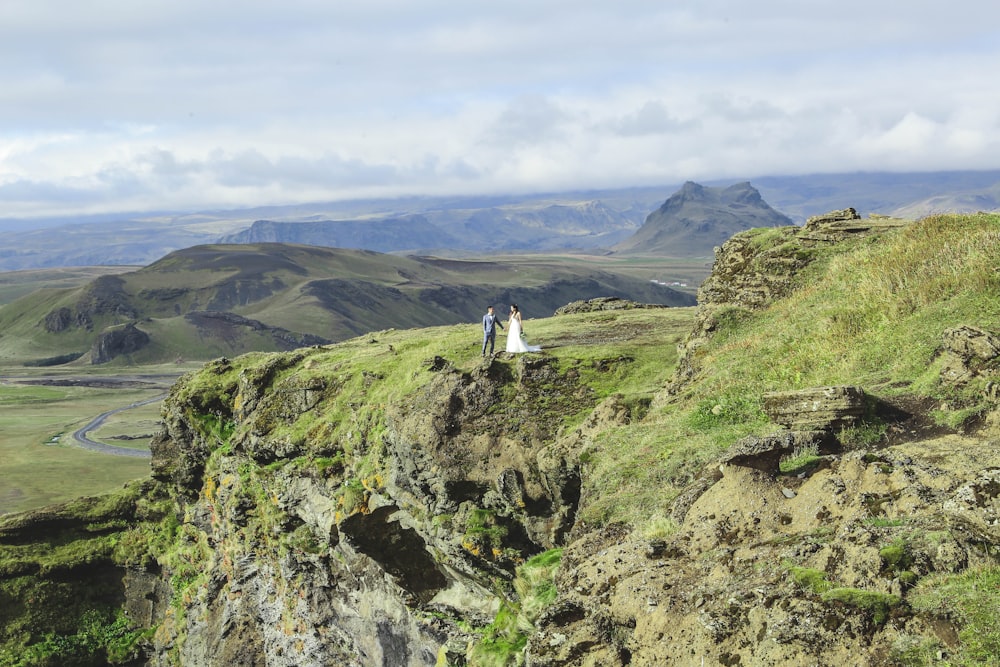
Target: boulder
817	408
765	453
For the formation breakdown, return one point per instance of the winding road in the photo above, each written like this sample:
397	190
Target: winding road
80	435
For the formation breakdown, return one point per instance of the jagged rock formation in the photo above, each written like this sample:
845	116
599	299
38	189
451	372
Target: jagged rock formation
117	342
697	218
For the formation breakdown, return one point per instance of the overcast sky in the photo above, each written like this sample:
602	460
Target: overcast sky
124	105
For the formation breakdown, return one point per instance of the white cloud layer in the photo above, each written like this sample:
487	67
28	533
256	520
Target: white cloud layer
113	105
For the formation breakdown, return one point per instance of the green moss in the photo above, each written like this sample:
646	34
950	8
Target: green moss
102	638
878	604
810	579
483	530
896	556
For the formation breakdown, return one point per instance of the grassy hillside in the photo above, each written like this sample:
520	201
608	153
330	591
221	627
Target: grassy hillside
285	296
15	284
869	311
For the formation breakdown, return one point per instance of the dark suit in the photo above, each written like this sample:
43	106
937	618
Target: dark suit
490	323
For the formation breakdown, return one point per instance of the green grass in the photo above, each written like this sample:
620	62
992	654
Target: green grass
869	315
504	639
38	463
60	569
971	600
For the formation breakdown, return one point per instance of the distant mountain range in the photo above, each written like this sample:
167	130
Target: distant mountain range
591	221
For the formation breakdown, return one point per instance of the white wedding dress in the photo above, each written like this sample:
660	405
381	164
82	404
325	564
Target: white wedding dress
514	341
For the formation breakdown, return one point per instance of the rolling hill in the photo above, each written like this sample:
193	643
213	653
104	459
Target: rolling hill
214	300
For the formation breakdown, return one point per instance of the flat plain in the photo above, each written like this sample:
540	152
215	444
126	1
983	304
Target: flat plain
39	460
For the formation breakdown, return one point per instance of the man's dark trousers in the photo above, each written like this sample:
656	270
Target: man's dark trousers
489	336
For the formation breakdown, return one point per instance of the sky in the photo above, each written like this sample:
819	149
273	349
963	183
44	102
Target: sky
135	105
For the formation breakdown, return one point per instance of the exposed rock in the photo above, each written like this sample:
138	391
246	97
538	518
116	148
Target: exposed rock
765	453
969	352
721	588
817	408
602	303
837	224
58	320
366	553
832	219
118	342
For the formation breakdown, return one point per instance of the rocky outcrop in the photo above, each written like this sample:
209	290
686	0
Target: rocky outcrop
836	225
969	353
732	585
818	408
105	298
601	304
118	342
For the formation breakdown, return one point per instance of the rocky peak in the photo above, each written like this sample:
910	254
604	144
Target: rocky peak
697	218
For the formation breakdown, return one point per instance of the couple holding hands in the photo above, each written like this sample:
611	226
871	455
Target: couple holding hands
514	331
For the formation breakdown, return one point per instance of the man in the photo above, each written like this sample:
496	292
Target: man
490	324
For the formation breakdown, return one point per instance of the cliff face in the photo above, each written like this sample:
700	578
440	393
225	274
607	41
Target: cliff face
360	533
397	500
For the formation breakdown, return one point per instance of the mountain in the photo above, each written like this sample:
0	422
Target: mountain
801	471
536	228
381	235
469	225
213	300
883	193
697	218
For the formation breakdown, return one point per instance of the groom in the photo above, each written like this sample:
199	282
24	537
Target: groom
490	324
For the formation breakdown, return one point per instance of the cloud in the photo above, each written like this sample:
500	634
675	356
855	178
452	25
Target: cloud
652	118
179	104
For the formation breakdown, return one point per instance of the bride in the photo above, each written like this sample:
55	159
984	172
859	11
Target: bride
514	341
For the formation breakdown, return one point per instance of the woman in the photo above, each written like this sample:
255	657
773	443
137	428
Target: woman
514	342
